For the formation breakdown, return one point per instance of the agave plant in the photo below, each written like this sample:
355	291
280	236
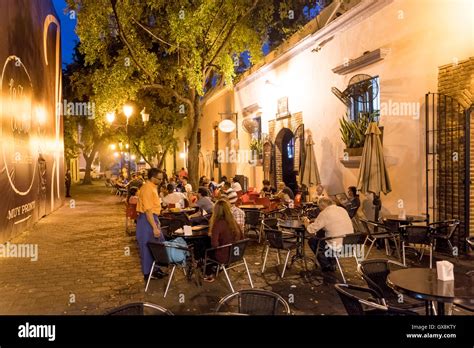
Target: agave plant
353	132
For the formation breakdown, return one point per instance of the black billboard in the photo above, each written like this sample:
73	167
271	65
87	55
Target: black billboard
31	147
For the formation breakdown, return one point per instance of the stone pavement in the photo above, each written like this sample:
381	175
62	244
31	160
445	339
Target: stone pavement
87	264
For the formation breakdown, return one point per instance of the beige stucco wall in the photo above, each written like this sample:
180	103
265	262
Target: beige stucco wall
421	36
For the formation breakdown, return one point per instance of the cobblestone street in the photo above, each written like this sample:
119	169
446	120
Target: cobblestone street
87	265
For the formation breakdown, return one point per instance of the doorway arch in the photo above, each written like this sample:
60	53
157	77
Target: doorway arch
285	157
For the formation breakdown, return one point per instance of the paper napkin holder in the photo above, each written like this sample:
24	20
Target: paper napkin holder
445	270
188	230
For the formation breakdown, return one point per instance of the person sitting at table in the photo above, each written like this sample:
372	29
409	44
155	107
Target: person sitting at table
223	230
174	197
212	185
267	190
222	182
225	190
187	186
239	214
236	185
205	206
285	194
336	222
354	201
316	192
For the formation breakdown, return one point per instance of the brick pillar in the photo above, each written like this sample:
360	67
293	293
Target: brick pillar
457	80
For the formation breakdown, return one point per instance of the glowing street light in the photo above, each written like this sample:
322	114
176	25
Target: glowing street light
112	147
128	111
110	116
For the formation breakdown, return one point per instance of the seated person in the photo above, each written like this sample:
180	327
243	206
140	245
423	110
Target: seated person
132	197
174	197
354	201
187	186
223	230
285	194
212	185
236	185
316	192
336	222
205	206
225	190
267	190
222	182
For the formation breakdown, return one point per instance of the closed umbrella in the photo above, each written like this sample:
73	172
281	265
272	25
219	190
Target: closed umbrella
310	167
373	175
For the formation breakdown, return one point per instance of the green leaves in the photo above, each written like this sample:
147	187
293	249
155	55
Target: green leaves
353	132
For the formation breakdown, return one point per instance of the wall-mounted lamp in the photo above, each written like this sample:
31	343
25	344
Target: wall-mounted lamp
227	124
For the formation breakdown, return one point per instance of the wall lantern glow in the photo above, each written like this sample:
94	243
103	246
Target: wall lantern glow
227	125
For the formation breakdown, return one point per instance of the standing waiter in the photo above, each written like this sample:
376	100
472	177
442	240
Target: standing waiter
148	225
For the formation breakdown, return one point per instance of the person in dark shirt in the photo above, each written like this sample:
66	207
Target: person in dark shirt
68	181
223	230
267	189
354	201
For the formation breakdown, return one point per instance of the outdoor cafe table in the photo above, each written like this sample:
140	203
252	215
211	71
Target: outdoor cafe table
300	231
423	283
407	220
181	211
199	239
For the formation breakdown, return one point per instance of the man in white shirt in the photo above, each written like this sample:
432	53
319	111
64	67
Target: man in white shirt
174	197
187	186
236	185
336	222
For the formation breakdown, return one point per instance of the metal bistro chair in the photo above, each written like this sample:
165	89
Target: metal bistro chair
375	273
234	259
418	235
252	222
139	308
444	230
349	243
467	304
255	302
355	304
274	240
383	233
161	257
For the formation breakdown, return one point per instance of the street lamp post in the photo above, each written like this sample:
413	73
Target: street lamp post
128	111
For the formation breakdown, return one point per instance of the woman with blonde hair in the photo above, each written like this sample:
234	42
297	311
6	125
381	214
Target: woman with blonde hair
223	230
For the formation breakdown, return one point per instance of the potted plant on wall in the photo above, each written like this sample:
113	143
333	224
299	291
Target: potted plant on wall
353	132
256	148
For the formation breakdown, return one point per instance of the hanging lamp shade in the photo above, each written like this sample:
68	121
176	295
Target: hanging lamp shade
227	126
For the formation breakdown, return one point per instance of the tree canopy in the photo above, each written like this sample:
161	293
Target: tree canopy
182	50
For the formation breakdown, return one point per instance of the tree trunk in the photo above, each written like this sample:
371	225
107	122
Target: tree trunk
193	151
87	175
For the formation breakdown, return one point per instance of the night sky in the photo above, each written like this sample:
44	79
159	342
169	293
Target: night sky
68	36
